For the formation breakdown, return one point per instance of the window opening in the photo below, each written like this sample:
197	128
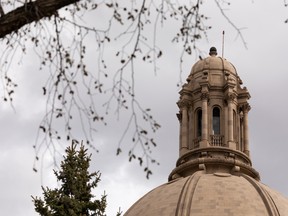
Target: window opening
216	121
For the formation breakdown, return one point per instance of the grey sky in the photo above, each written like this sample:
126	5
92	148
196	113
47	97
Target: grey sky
262	67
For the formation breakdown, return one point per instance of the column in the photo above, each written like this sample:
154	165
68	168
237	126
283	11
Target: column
184	144
204	135
241	137
179	116
230	120
231	142
191	129
246	109
225	124
184	128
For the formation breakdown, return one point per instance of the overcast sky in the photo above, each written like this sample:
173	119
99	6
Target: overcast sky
262	68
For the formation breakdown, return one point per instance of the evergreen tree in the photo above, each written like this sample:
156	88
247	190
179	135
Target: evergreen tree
74	197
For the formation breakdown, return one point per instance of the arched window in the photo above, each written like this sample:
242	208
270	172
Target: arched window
199	123
216	120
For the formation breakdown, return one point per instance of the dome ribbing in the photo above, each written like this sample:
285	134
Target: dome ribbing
219	194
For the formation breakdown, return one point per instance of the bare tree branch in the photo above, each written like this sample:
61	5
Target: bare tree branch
237	29
30	12
79	95
72	90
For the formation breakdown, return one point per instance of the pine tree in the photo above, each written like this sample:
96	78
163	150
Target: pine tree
74	197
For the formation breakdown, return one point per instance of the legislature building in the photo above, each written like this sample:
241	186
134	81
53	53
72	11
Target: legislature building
214	173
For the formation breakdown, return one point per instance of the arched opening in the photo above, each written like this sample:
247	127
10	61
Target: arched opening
216	137
216	121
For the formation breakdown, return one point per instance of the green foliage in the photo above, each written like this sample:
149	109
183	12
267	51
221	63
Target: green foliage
74	197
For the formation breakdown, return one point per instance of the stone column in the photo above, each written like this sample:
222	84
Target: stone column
191	129
184	128
204	136
224	119
246	109
231	142
179	116
230	119
241	132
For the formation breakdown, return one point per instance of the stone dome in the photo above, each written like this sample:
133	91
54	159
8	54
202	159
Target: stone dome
217	70
214	173
220	194
213	63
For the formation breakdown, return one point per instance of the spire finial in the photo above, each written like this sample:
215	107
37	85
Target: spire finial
213	51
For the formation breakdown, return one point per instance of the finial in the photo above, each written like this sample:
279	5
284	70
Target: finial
213	51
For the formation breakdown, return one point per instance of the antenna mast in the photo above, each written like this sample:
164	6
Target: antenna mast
223	33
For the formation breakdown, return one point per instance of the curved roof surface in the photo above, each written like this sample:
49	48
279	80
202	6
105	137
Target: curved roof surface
211	194
213	63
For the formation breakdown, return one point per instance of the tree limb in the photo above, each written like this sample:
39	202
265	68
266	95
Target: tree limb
30	12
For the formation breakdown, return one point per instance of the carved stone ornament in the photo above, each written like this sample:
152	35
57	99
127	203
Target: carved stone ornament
245	107
184	104
205	96
230	97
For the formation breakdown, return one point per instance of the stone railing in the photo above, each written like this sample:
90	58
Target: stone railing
216	140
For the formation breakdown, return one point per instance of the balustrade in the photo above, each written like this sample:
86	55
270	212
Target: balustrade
216	140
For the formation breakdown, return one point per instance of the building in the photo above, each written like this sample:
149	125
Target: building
214	173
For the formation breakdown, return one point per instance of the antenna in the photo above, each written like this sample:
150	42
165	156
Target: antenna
223	33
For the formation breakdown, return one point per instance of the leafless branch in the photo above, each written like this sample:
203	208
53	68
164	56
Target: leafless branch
238	30
74	91
30	12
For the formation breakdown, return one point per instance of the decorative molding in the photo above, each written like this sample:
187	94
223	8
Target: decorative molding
184	103
230	96
245	107
216	159
205	96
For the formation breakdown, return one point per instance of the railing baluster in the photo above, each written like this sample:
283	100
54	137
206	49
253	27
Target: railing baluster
216	140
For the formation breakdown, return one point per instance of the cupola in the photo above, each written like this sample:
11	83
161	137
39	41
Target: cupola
213	116
214	173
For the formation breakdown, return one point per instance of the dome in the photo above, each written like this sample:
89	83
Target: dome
214	173
211	194
214	64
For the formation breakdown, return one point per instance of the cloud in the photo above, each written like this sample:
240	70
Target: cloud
263	69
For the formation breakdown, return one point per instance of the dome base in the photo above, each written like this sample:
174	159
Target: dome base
212	160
